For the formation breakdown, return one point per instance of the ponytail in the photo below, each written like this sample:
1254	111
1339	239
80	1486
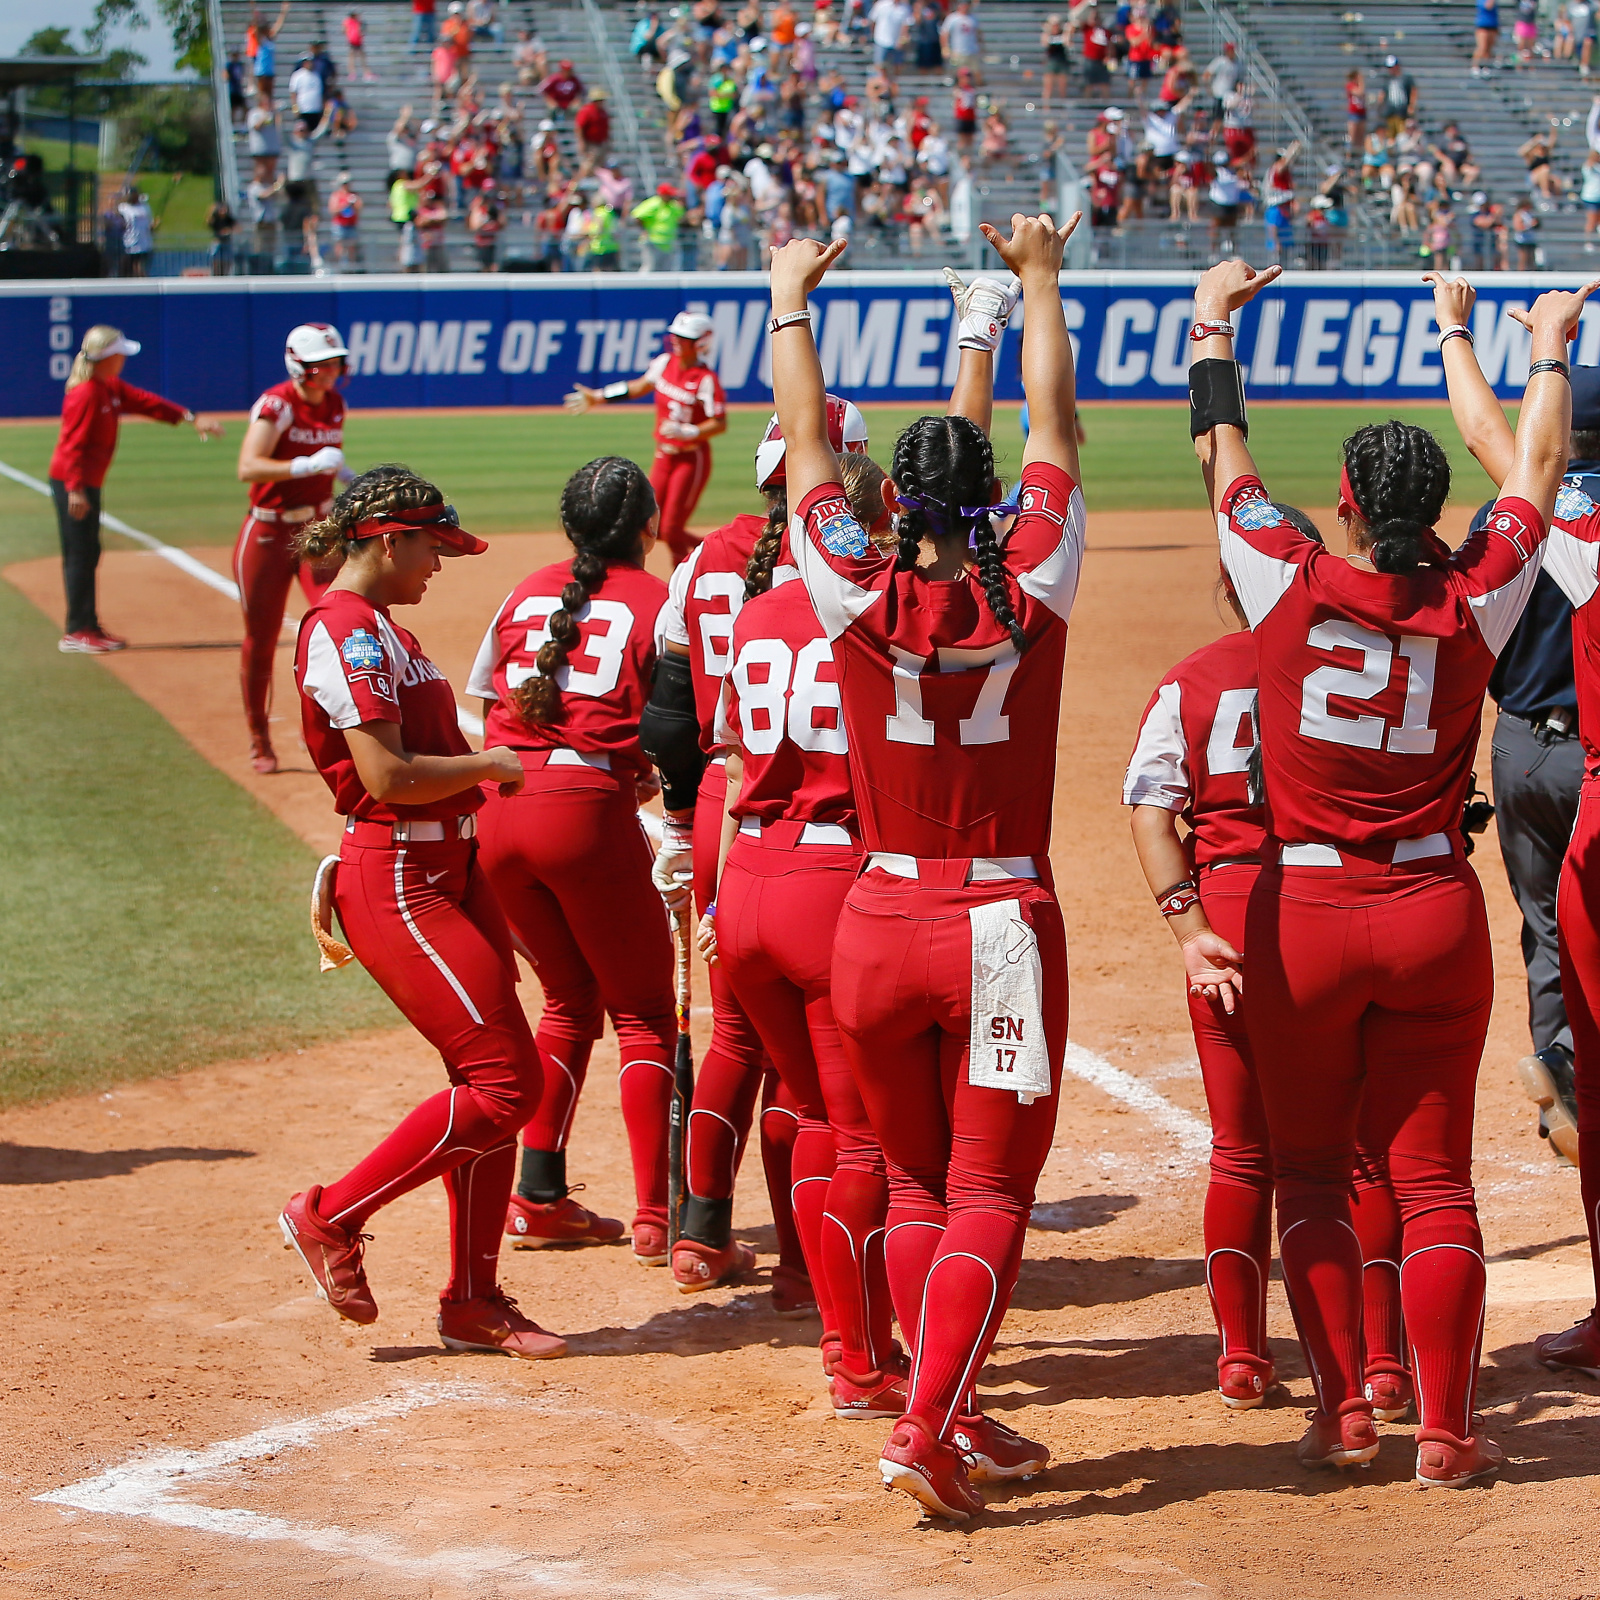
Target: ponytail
1400	476
605	509
758	574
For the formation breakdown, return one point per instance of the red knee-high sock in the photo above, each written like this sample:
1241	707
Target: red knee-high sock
780	1126
566	1066
645	1087
968	1289
479	1190
915	1225
1589	1188
1376	1216
852	1264
1238	1237
724	1098
445	1130
1442	1281
1322	1271
810	1173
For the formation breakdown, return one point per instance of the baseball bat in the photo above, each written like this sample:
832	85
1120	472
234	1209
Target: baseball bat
682	1086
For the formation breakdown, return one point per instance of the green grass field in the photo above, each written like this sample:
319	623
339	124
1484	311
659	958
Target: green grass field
151	913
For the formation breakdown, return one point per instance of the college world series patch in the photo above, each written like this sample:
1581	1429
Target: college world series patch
362	652
1572	503
1254	515
841	535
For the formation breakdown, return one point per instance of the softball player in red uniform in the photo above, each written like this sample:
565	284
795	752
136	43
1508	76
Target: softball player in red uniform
691	411
696	628
291	454
380	724
563	672
1193	759
1369	969
949	976
1572	558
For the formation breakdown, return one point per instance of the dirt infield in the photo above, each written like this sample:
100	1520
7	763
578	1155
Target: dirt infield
161	1342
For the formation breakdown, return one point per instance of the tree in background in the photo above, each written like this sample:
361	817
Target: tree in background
191	39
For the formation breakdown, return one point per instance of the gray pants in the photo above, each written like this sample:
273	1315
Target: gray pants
1536	783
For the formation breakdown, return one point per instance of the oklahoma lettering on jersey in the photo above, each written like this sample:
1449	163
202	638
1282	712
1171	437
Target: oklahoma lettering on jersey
705	595
1372	683
606	681
683	394
354	664
952	733
781	705
302	431
1572	558
1193	752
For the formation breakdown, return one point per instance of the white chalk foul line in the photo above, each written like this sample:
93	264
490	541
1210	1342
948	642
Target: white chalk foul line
1191	1135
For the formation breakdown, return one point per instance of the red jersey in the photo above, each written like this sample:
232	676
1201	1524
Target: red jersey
91	414
606	681
1572	558
684	394
952	733
707	592
354	664
1096	43
1193	752
780	704
302	430
1372	683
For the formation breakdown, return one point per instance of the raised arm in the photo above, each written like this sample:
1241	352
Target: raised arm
1033	252
1479	416
797	385
983	308
1224	455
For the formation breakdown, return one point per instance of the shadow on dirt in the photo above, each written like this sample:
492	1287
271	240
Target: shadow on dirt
1080	1212
1064	1281
36	1163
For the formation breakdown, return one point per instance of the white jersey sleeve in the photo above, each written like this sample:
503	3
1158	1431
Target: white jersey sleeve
480	681
672	620
1158	772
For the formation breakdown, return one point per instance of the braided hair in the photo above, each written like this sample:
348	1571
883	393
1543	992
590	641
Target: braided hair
947	463
862	481
758	574
605	509
376	492
1401	478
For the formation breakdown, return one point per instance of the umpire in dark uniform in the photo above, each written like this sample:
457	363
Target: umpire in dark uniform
1538	771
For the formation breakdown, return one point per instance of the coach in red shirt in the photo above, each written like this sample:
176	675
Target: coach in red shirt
95	402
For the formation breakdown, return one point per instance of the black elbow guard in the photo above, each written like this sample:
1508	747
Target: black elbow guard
669	730
1216	395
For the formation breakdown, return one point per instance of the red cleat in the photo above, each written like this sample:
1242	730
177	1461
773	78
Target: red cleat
650	1244
1391	1394
881	1396
1347	1440
531	1225
916	1463
995	1453
492	1322
1577	1348
697	1266
1446	1462
332	1256
1243	1381
792	1294
90	642
263	759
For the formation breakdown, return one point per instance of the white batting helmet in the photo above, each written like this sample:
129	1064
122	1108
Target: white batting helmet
312	342
690	325
847	433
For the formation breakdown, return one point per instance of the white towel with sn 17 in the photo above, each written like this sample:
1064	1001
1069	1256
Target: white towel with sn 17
1007	1048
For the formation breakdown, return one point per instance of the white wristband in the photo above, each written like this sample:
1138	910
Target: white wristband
1455	329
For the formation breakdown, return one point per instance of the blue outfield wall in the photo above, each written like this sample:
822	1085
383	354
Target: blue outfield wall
215	344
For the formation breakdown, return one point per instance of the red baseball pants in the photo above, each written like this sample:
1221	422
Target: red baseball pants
777	907
1370	987
1578	917
264	566
679	480
962	1159
571	866
441	951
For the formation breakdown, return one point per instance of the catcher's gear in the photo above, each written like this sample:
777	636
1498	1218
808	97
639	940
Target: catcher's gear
847	433
311	343
984	307
669	730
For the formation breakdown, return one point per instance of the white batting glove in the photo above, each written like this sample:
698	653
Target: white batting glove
984	307
328	459
673	872
680	430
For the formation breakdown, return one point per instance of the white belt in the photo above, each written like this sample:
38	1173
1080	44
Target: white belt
579	758
812	833
290	513
1325	855
984	869
426	832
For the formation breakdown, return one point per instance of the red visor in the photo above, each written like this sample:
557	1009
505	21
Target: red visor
441	521
1347	498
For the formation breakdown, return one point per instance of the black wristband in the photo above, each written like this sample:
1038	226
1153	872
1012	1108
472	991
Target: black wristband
1216	395
1550	366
